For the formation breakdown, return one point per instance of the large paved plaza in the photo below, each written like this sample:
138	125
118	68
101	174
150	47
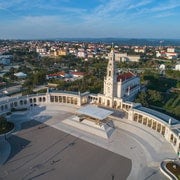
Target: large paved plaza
42	152
46	148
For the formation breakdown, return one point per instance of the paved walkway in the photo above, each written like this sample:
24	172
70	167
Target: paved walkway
153	149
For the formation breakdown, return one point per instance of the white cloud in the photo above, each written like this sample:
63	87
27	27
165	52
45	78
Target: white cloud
165	14
109	18
8	11
140	4
11	3
157	10
110	7
165	7
109	12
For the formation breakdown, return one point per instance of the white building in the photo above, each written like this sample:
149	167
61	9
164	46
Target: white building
171	55
158	54
124	57
133	58
139	50
170	50
81	54
20	75
40	50
177	67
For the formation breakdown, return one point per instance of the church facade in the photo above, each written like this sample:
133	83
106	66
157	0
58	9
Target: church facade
118	88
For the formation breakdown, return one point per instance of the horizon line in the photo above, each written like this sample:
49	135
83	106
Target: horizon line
54	38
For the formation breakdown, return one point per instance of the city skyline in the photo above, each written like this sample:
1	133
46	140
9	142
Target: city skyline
23	19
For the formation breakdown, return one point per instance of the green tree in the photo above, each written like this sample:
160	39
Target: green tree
5	126
154	97
142	98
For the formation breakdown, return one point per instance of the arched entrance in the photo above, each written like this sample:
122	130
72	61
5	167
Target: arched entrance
100	100
108	102
115	104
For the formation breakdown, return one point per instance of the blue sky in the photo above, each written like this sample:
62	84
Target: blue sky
26	19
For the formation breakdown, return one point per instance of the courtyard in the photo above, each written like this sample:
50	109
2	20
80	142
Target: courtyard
44	147
39	151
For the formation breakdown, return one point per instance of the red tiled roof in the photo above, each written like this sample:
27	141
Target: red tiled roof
57	74
171	53
78	73
2	83
125	76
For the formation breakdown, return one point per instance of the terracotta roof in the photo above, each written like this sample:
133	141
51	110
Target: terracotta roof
57	74
171	53
2	83
78	73
125	76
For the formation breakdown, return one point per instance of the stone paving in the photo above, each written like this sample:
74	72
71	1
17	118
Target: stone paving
41	152
142	145
5	150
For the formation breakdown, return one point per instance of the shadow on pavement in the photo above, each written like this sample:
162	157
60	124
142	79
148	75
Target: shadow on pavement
37	109
30	124
17	145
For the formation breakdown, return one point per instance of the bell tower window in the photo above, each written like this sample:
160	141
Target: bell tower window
109	73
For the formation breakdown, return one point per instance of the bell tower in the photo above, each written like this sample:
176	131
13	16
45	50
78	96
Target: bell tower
110	81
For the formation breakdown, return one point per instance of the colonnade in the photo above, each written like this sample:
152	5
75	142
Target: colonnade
149	122
37	99
117	103
161	127
64	99
76	99
174	140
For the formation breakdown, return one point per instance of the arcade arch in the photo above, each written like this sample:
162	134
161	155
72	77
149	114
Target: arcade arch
149	122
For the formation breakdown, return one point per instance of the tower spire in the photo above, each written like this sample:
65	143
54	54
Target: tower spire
112	46
111	77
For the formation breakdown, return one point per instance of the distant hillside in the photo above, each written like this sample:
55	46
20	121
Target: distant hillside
126	41
117	41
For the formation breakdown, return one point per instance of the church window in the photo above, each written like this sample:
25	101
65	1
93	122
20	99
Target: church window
109	73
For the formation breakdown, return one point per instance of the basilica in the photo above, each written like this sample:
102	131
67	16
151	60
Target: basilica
118	87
